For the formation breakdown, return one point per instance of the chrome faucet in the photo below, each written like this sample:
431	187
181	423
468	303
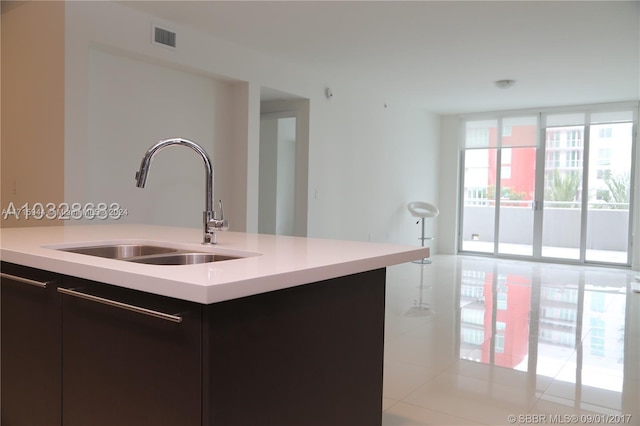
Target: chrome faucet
211	224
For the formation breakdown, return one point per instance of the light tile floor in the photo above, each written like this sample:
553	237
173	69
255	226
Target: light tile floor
473	341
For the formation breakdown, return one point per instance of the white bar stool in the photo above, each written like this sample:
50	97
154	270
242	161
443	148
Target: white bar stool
423	211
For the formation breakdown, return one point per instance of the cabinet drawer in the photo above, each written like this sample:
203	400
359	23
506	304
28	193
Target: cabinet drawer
129	358
30	334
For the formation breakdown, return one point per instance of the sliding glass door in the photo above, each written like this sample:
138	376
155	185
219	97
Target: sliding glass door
558	190
479	206
563	178
517	185
609	186
587	187
499	185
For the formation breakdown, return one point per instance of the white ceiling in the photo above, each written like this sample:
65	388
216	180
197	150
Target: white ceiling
442	55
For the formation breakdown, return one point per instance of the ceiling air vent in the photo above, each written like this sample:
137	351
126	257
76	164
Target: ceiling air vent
164	37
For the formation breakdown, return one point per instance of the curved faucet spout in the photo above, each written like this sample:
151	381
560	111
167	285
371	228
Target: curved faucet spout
141	175
211	224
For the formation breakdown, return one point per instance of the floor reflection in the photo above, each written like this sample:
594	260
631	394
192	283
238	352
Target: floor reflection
471	340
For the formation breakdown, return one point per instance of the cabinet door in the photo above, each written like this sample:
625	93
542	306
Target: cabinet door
30	359
310	355
125	359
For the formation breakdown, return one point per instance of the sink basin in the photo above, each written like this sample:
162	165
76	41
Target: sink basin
149	254
181	258
120	251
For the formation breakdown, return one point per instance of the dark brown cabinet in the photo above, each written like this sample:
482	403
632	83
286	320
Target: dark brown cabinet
310	355
30	342
79	353
76	352
129	358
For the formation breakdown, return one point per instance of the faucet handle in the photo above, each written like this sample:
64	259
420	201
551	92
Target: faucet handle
221	209
221	224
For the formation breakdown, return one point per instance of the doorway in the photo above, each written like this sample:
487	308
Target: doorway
587	187
283	164
499	180
277	174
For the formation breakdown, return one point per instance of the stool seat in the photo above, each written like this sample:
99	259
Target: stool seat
422	209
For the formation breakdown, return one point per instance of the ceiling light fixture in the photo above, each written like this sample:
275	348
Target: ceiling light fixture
504	84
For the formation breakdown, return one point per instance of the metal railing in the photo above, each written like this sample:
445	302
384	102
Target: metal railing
506	202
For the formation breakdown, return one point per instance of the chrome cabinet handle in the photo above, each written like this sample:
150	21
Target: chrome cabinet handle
41	284
133	308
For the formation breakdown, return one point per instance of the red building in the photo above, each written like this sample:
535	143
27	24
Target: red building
518	164
511	340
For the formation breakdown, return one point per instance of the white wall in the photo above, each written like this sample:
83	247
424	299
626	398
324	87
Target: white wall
285	205
635	222
120	101
133	104
298	108
268	176
366	161
448	185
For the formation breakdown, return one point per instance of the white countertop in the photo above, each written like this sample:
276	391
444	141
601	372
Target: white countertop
273	262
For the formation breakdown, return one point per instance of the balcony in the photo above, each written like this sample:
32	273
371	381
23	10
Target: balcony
606	231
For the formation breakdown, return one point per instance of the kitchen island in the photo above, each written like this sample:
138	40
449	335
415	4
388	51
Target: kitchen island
290	331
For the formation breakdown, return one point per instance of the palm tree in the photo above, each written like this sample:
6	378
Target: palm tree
619	189
563	187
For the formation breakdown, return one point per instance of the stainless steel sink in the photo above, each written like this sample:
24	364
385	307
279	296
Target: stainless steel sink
120	251
149	254
181	258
